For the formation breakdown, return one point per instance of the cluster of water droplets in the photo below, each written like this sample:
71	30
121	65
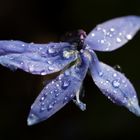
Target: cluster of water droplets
114	85
52	92
110	35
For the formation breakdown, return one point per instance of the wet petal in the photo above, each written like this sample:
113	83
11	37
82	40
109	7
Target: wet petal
112	34
39	59
58	93
115	86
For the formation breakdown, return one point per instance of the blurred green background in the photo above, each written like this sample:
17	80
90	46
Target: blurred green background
43	21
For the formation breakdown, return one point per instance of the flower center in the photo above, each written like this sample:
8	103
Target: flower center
76	38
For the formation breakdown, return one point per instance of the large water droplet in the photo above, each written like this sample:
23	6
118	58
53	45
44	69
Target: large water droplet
116	83
65	84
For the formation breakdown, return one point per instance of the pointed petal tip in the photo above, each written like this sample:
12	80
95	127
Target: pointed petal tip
135	108
32	119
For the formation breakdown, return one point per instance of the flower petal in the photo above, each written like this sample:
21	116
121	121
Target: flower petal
58	93
112	34
115	86
39	59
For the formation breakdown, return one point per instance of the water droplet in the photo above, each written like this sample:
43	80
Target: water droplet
31	68
43	72
102	41
116	83
57	94
57	85
128	36
115	75
51	50
50	68
100	73
104	31
125	85
55	90
107	48
49	107
42	98
21	63
120	34
65	84
49	62
65	100
42	104
42	108
118	40
114	91
67	73
101	82
92	34
98	28
112	29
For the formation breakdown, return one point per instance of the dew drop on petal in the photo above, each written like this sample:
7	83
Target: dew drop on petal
118	40
115	75
42	104
49	107
42	98
51	50
49	62
65	100
42	108
112	29
100	73
102	41
92	34
50	68
116	83
43	72
65	84
128	37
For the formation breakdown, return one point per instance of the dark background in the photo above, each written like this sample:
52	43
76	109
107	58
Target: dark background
43	21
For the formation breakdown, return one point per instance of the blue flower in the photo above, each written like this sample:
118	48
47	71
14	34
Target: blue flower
73	59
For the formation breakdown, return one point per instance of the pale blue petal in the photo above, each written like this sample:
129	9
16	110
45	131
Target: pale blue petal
113	34
114	85
36	58
58	93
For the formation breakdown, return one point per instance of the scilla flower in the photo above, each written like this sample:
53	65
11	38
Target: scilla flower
73	58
